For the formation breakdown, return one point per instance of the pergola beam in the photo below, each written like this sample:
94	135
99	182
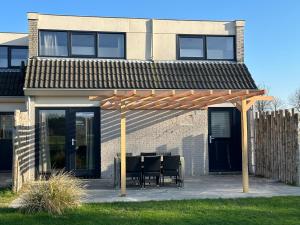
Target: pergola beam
125	100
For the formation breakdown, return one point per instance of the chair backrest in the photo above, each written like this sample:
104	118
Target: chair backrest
166	153
152	164
133	164
148	153
127	154
171	162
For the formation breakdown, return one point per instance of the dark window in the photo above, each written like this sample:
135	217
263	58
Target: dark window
191	47
3	57
203	47
220	48
111	45
6	126
52	126
18	55
83	44
13	56
53	43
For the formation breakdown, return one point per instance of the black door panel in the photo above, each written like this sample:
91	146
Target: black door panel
84	142
224	139
6	146
69	138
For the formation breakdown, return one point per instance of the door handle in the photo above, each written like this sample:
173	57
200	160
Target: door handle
73	141
211	139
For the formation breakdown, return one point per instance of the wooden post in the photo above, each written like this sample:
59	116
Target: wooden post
123	150
244	147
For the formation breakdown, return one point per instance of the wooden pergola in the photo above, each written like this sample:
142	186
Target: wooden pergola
125	100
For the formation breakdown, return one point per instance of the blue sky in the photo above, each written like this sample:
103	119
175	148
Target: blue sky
272	37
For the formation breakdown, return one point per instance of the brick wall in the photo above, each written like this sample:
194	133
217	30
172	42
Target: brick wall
178	132
23	153
33	37
240	27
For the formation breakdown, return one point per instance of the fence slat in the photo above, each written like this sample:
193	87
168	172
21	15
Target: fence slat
276	145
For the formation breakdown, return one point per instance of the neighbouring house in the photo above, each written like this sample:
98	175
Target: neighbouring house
13	51
180	80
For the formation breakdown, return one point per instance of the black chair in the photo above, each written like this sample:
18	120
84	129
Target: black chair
170	167
152	168
134	168
148	153
166	154
127	154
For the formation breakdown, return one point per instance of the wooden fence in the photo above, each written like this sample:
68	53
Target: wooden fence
277	146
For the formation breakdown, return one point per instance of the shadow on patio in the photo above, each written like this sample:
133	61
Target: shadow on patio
212	186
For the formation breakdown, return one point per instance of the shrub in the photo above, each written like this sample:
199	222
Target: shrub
60	192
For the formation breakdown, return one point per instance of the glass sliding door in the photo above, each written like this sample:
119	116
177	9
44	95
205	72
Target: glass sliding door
69	139
84	133
52	140
84	141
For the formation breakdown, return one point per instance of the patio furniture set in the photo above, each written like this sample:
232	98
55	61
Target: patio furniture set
147	167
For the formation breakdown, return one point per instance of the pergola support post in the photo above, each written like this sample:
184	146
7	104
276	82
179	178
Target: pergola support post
244	128
123	150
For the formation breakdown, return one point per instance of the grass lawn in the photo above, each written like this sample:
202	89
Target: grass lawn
6	196
269	211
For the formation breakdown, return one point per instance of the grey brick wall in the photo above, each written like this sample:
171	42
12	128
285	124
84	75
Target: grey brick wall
33	37
240	27
178	132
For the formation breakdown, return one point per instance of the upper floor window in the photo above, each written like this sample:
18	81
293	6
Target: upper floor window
191	47
206	47
82	44
13	56
53	43
111	45
18	55
3	57
220	48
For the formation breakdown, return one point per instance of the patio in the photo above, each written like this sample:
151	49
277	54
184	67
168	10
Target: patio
212	186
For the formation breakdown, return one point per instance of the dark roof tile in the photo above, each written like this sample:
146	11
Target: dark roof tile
125	74
11	83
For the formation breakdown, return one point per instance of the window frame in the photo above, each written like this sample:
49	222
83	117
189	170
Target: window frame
7	59
234	47
190	36
204	47
9	55
69	44
39	43
125	46
82	33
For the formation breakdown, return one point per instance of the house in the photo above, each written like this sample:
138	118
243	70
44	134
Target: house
13	50
181	81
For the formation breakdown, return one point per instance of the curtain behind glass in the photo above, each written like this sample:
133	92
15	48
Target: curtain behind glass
53	43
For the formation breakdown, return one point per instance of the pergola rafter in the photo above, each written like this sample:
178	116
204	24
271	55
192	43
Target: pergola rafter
125	100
